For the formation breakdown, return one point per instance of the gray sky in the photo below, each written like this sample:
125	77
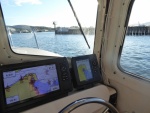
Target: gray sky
140	12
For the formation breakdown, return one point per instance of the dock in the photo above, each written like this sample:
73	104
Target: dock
138	30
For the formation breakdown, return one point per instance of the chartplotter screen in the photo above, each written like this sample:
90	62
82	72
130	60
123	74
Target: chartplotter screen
30	82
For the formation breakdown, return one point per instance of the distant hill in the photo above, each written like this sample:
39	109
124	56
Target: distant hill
28	29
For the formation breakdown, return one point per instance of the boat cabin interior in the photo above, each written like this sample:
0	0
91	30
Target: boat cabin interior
79	56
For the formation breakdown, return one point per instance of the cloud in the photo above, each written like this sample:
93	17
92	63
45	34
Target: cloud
20	2
6	2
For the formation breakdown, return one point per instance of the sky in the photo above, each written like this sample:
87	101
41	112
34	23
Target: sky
45	12
140	12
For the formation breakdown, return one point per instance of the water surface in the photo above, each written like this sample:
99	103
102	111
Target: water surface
135	56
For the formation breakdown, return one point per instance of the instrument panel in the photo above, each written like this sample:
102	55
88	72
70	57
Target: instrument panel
26	85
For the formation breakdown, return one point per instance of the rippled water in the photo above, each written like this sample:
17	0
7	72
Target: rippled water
135	56
65	45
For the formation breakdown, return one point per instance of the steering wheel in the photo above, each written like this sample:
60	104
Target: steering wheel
88	100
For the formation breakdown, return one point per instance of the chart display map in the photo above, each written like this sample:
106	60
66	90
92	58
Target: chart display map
30	82
84	70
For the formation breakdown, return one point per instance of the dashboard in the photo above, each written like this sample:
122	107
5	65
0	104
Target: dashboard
27	85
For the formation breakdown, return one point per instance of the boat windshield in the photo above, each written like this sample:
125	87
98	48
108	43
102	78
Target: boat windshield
50	25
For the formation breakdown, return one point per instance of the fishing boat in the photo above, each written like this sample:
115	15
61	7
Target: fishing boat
45	75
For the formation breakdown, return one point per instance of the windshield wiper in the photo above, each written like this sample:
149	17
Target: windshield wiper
78	23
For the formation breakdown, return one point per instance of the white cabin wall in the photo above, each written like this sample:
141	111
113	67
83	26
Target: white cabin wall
133	93
99	27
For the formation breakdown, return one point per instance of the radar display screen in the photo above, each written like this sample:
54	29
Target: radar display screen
30	82
84	70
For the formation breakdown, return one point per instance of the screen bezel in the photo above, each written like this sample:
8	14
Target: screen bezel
77	82
28	99
40	98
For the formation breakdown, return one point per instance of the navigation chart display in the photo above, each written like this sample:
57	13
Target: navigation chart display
84	70
30	82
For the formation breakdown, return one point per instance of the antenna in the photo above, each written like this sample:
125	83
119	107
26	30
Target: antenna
33	30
